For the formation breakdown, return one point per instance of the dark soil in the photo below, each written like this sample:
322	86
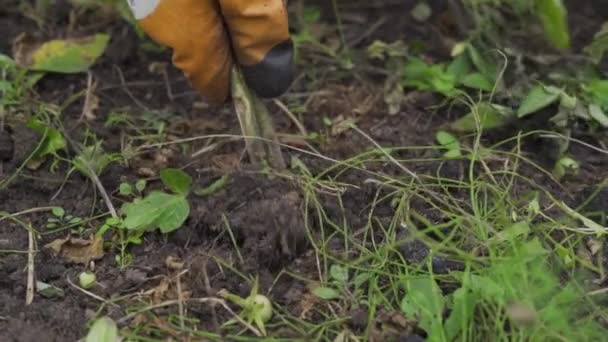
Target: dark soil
264	214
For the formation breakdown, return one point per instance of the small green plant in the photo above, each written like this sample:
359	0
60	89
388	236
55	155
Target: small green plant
14	83
338	284
126	189
256	308
93	158
60	220
160	210
468	70
450	143
157	210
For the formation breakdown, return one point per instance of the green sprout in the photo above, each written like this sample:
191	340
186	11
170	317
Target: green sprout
256	308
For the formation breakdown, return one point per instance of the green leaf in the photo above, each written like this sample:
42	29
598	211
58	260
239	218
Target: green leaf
158	210
53	140
460	67
58	212
49	291
176	180
339	273
326	293
93	157
598	91
565	166
67	55
462	312
103	330
598	48
477	81
140	185
449	142
213	187
490	116
125	189
427	77
598	115
487	288
538	98
425	301
483	65
554	16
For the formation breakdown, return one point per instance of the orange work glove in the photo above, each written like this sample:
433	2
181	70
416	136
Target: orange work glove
207	36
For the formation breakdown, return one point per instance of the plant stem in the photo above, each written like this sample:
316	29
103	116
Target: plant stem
256	124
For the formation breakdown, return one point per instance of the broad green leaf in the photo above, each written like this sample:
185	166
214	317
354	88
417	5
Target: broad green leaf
176	180
477	81
460	67
483	65
554	17
598	48
158	210
103	330
65	56
424	300
427	77
537	99
598	115
175	217
598	91
461	315
490	116
53	140
326	293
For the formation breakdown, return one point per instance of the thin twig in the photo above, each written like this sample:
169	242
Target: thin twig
127	90
88	98
24	212
212	300
180	298
94	178
90	294
29	295
388	155
292	117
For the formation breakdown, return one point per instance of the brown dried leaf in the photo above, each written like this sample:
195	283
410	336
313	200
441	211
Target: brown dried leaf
78	251
91	104
174	263
390	325
595	246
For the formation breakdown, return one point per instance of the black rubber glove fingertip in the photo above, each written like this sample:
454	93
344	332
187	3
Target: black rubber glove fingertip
273	76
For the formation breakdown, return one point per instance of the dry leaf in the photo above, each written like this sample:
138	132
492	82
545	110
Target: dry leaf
522	314
390	325
174	263
78	251
595	246
92	105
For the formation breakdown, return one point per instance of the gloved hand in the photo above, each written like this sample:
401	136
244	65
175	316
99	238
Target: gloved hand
208	36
